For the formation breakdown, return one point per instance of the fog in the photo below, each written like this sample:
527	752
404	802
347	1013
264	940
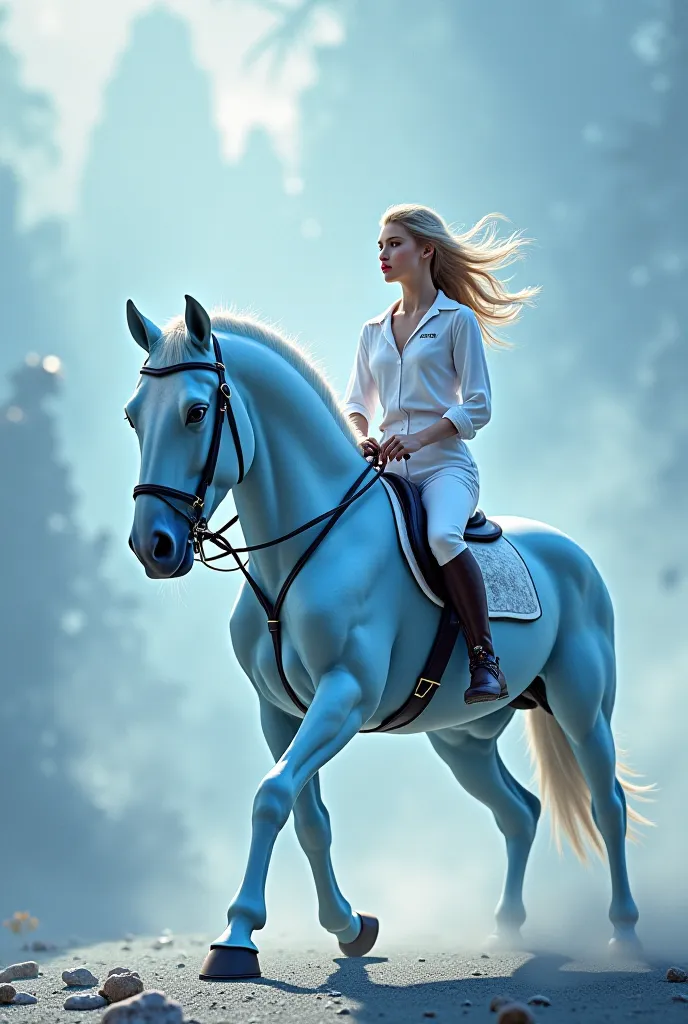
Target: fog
243	152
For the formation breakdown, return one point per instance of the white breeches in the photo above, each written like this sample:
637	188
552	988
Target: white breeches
450	500
450	497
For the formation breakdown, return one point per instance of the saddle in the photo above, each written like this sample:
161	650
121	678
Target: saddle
478	528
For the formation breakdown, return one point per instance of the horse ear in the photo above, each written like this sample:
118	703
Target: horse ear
197	324
143	330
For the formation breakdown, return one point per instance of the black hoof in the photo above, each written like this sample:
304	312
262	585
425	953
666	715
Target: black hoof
370	926
225	963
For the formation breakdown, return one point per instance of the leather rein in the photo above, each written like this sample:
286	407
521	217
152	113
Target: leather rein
199	532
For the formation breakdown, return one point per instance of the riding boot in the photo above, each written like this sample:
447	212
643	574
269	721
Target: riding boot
464	581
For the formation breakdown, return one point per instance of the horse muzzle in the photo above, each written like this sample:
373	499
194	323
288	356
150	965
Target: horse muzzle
163	552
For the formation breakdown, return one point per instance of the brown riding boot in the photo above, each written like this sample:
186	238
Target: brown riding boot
464	581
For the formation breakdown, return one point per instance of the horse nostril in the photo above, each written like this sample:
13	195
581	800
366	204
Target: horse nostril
163	546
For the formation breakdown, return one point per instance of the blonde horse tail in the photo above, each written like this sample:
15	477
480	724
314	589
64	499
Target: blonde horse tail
565	792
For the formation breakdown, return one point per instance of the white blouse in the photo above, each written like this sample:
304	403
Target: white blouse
442	372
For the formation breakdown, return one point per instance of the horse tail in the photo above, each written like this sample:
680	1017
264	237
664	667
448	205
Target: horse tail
564	790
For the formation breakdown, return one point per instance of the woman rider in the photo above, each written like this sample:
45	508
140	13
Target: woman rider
424	360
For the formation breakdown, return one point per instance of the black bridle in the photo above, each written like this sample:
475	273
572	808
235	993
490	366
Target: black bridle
224	405
199	533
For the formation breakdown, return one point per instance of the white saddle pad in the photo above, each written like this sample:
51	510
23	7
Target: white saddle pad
510	589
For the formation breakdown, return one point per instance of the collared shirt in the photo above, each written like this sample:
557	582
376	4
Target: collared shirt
441	372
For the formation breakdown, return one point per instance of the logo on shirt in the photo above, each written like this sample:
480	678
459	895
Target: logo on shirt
428	335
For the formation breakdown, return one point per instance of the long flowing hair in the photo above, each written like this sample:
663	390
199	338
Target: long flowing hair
463	264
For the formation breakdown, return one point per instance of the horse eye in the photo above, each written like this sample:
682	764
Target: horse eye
196	414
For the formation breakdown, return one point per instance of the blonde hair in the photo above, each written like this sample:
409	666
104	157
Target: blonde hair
462	266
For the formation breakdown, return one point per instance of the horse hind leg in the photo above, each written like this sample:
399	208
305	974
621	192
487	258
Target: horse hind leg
475	763
578	768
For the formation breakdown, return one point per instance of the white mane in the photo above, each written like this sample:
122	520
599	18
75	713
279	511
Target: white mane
174	345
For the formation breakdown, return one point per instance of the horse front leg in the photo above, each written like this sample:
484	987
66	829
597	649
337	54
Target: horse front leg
334	717
313	831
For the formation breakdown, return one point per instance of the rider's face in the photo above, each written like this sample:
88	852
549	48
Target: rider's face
401	256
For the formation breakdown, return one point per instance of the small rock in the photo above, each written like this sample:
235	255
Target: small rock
79	977
539	1000
429	1013
676	974
121	986
466	1002
343	1010
680	997
334	993
484	956
497	1002
20	972
181	965
515	1013
7	993
164	940
477	974
421	959
24	999
125	947
129	937
86	1001
119	970
151	1007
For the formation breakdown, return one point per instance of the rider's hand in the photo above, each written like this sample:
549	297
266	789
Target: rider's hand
369	446
400	446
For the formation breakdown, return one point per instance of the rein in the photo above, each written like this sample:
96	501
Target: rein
199	532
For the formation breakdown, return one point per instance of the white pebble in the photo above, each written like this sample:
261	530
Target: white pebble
20	972
539	1000
152	1007
86	1001
24	999
79	977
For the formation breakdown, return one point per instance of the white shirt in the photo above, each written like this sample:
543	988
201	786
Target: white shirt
442	372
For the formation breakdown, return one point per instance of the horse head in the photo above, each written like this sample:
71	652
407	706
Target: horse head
183	407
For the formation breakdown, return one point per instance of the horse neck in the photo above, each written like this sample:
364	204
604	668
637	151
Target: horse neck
303	463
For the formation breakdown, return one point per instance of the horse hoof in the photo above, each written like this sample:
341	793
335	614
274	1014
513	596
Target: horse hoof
626	948
225	963
504	942
370	926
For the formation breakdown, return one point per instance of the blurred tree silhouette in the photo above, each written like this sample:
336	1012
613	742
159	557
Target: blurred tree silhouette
81	839
73	661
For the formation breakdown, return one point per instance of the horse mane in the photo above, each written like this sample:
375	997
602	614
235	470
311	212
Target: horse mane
174	346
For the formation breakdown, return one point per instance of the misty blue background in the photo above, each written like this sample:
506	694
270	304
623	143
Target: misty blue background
567	118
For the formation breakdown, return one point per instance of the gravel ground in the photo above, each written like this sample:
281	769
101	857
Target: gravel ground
388	986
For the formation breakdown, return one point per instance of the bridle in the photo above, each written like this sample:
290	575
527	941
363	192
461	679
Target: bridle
197	521
199	533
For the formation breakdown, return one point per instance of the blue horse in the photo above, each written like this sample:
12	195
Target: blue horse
234	404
